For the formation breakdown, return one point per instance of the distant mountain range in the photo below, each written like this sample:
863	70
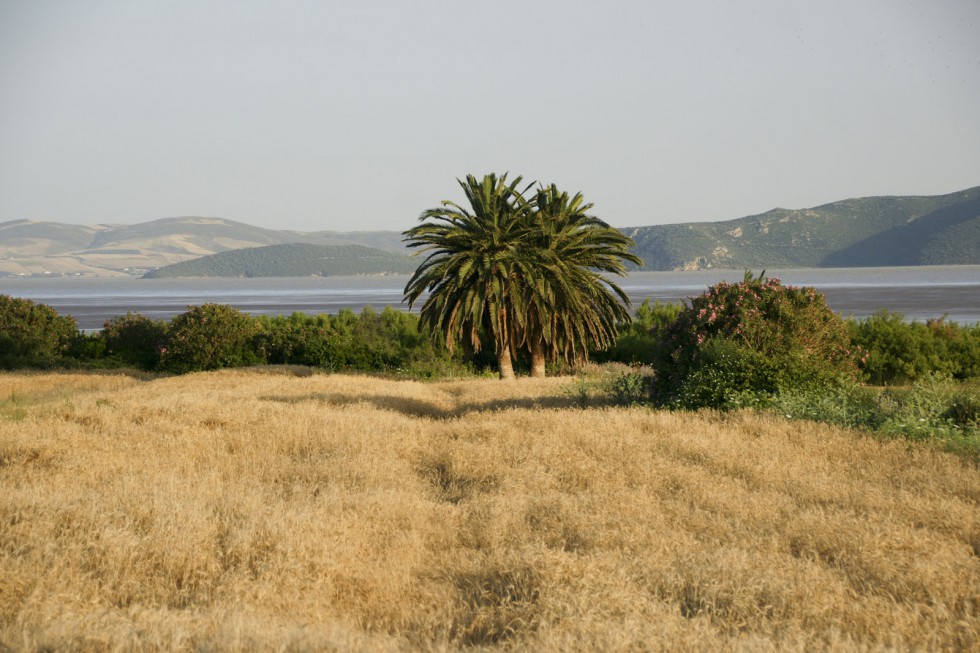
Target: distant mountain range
29	248
871	231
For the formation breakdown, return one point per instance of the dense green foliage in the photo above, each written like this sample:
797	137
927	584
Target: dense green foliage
390	341
739	343
215	336
33	335
903	352
524	274
642	339
296	260
571	309
134	340
209	337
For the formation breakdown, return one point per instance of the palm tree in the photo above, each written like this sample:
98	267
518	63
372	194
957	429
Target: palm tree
525	273
570	307
473	253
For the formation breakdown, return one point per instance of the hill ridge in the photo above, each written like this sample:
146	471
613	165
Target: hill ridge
851	232
290	260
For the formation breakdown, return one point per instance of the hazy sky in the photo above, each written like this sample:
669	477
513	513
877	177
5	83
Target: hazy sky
359	115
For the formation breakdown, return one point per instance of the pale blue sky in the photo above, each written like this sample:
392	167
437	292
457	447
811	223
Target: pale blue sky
329	115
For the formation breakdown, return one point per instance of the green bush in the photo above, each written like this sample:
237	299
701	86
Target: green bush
726	375
88	351
631	388
901	352
844	403
299	339
134	339
33	335
640	341
963	410
209	337
739	344
935	408
389	341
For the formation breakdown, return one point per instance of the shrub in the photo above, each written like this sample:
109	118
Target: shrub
741	343
87	351
934	408
33	335
209	337
726	375
902	352
631	388
300	339
898	351
963	410
639	342
134	339
844	403
390	341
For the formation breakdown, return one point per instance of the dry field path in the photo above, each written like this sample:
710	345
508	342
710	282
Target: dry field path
272	510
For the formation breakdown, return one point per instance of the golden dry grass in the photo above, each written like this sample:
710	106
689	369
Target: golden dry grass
267	511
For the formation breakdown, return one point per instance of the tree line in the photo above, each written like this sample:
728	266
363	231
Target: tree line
885	348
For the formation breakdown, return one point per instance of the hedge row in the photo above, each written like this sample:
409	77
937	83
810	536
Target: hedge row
755	324
894	351
214	336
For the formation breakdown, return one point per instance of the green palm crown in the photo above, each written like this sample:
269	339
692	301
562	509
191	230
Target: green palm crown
525	273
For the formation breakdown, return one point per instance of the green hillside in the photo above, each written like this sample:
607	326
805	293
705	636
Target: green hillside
294	260
937	230
945	236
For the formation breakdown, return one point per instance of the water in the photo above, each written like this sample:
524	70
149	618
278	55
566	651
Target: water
919	293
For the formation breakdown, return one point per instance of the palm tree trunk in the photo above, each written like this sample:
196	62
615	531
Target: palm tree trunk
504	364
537	359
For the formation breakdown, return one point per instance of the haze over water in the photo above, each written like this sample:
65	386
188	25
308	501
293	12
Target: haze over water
919	293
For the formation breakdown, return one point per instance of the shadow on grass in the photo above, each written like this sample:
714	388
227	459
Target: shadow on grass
427	409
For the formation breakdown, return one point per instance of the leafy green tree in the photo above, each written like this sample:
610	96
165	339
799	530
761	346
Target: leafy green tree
470	271
33	335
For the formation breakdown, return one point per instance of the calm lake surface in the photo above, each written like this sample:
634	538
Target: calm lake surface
919	293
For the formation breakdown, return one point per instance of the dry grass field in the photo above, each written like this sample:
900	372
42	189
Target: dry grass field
268	510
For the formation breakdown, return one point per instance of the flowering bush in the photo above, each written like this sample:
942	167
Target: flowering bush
33	335
210	337
739	343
